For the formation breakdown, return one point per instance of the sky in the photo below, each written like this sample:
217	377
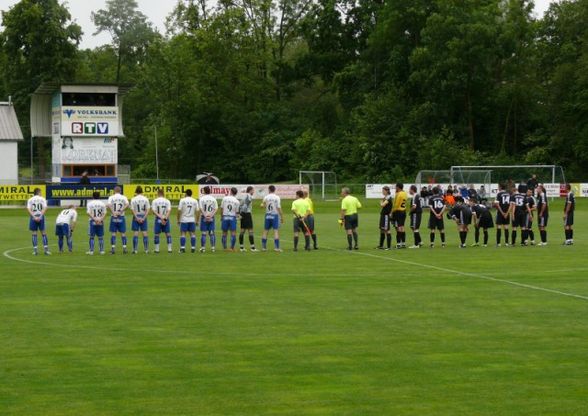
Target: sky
156	11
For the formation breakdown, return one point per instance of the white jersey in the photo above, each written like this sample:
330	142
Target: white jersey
208	205
140	205
161	206
188	208
230	206
67	216
272	203
37	205
96	209
118	203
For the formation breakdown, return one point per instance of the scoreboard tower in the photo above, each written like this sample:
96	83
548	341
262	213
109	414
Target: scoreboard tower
84	122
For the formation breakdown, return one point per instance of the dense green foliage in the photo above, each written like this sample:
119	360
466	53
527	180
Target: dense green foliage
411	332
255	90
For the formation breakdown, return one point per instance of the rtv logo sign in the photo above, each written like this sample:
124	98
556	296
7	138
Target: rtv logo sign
90	128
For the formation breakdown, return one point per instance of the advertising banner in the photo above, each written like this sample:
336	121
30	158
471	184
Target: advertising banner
172	192
90	121
64	191
20	192
283	191
85	151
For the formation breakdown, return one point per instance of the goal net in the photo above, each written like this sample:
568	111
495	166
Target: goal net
323	184
508	174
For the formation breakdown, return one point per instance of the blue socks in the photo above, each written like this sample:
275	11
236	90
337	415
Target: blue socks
233	241
35	241
45	241
277	244
192	241
91	243
101	243
135	243
264	243
146	243
60	243
182	242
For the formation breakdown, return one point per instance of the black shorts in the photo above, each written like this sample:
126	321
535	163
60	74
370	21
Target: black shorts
399	218
310	223
351	222
298	226
384	222
486	221
543	220
519	219
465	218
569	219
415	220
246	221
500	220
436	223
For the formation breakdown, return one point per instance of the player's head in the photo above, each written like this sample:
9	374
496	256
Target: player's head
96	195
188	192
436	190
206	190
540	189
345	191
117	189
413	189
160	193
234	191
501	186
472	201
250	190
521	189
529	192
37	191
386	190
72	207
271	189
299	194
399	187
568	187
139	190
458	200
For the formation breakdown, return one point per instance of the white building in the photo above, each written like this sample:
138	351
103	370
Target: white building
10	135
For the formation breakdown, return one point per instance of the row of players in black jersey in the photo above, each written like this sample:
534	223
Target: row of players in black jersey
515	211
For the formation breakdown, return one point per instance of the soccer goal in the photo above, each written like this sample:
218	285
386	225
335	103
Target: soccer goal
322	184
512	173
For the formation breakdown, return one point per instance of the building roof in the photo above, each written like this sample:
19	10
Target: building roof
9	127
49	88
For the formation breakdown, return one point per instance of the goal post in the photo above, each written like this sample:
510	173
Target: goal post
322	183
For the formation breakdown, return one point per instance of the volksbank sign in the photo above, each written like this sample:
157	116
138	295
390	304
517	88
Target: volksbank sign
90	121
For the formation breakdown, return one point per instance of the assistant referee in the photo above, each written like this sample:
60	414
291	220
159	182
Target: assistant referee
349	207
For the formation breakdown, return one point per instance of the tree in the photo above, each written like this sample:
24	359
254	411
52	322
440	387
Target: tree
39	43
129	28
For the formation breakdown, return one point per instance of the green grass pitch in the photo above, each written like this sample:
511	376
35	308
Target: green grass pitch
330	332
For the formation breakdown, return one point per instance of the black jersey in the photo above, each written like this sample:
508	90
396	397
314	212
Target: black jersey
519	200
530	202
417	204
437	204
387	209
481	211
542	202
503	200
570	200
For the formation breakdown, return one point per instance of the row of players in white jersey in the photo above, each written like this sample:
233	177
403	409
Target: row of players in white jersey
190	214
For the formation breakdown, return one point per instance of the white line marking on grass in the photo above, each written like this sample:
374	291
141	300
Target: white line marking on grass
466	274
8	255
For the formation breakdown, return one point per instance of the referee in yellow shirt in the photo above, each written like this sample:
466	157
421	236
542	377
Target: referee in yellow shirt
310	219
301	210
399	215
349	207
